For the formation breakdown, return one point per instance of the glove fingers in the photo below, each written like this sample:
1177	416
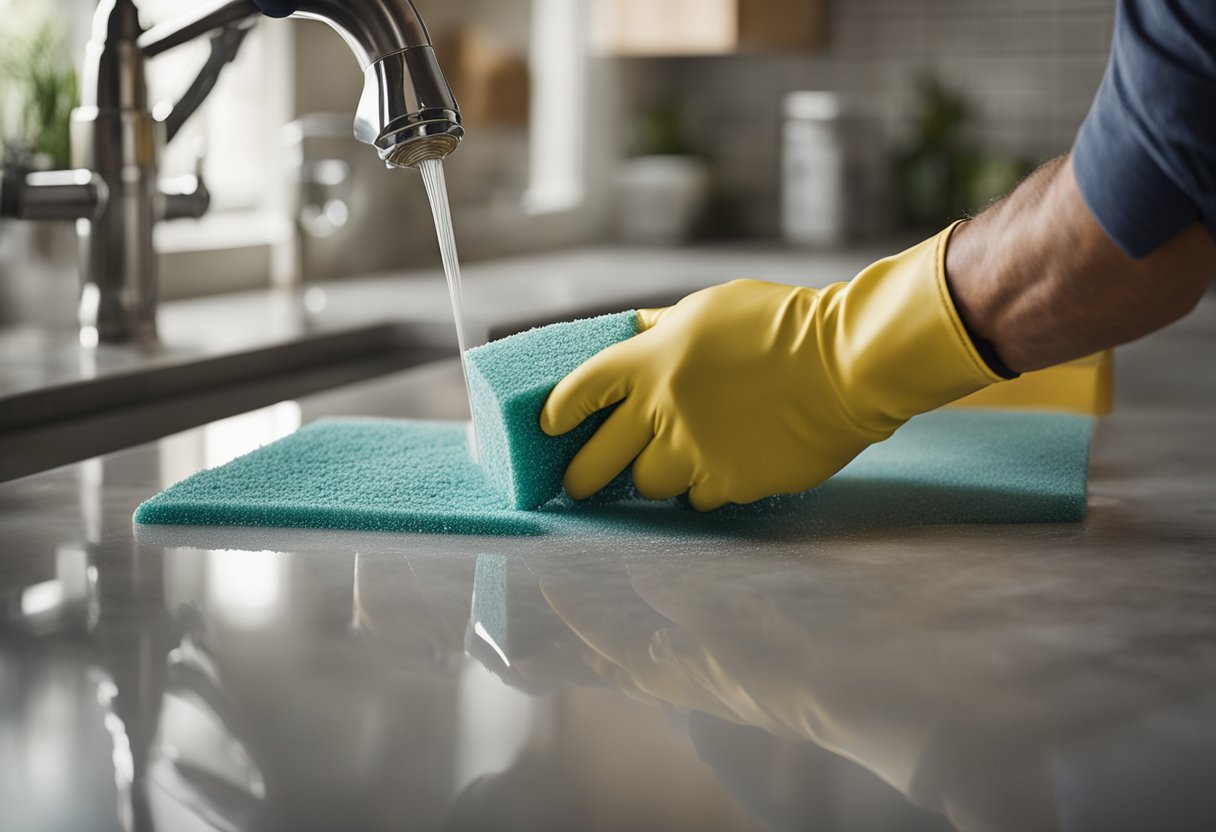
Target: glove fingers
660	473
601	381
618	441
708	495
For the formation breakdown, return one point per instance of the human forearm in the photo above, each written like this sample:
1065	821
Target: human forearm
1037	277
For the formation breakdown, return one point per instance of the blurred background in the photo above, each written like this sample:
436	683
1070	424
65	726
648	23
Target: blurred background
800	123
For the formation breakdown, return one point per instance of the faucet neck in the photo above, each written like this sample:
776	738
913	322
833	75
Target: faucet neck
372	29
278	8
114	64
117	19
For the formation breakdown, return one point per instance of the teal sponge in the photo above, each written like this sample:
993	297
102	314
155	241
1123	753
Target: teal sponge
509	381
952	466
963	466
357	474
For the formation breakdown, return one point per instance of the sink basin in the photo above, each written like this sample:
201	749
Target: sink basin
52	425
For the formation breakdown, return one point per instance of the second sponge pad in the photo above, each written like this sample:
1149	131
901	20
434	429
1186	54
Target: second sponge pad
509	381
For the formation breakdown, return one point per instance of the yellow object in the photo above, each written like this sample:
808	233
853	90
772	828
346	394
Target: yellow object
750	389
1085	386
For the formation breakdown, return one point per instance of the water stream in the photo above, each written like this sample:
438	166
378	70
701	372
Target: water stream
437	192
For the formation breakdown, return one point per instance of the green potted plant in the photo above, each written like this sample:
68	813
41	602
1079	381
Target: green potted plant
943	173
37	93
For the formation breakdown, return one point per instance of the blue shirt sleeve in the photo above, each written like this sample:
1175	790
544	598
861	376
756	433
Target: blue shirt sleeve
1145	157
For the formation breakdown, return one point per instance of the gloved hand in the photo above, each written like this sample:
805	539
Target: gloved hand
750	389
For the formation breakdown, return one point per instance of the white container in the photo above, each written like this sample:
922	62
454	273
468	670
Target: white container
834	172
661	198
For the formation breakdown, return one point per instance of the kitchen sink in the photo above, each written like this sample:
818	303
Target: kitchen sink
58	424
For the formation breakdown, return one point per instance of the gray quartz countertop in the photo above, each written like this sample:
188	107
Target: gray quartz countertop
1058	677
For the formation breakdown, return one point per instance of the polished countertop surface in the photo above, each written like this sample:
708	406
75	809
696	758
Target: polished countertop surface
1024	678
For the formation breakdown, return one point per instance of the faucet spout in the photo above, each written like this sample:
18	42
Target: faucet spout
407	111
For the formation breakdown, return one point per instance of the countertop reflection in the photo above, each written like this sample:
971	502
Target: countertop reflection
914	678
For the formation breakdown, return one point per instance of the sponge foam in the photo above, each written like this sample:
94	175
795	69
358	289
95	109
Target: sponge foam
356	474
955	466
509	381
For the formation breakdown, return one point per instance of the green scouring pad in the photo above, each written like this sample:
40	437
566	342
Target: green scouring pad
357	474
953	466
509	381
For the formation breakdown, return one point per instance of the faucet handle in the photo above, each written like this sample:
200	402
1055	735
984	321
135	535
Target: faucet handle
225	45
200	156
186	196
51	194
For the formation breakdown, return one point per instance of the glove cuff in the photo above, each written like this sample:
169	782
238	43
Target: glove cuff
900	344
966	339
985	349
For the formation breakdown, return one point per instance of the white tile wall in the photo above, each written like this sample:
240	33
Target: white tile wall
1029	67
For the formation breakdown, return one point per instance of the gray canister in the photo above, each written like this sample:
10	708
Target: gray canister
834	171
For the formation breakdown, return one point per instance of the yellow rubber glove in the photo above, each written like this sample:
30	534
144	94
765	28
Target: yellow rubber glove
750	389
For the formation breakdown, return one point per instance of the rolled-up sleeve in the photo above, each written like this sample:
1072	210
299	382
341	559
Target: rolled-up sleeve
1145	157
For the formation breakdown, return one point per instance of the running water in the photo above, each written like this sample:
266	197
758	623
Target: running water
437	192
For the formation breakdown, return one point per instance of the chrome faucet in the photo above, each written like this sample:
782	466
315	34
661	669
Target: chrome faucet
406	112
